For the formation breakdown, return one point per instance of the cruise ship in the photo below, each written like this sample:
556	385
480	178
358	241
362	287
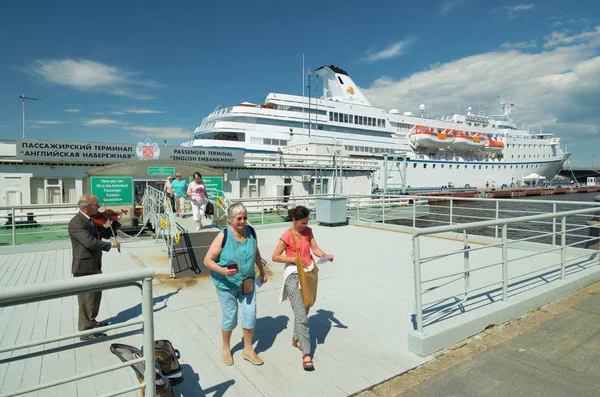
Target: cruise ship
415	151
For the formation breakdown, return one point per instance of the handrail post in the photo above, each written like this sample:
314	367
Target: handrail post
467	274
554	225
14	227
563	246
149	380
417	274
451	210
497	216
414	201
505	262
383	210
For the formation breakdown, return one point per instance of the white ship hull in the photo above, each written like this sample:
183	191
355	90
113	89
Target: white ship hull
344	116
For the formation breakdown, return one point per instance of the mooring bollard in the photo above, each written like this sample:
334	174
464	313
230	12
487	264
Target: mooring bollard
594	225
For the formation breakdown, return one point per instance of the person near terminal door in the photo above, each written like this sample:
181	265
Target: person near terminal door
196	191
179	186
168	191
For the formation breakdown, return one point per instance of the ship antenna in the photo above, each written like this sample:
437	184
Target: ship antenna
23	99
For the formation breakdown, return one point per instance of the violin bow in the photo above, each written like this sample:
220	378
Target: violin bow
111	228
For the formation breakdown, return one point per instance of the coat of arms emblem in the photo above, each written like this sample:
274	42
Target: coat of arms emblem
147	150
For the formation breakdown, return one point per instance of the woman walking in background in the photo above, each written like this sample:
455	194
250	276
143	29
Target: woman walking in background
231	259
302	241
197	193
179	186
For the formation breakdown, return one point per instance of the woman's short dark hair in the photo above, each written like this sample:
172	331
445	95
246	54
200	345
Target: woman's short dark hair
299	212
197	173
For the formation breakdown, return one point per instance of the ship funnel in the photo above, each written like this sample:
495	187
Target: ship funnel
338	86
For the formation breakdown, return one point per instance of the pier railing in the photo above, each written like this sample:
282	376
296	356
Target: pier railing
141	278
443	286
28	221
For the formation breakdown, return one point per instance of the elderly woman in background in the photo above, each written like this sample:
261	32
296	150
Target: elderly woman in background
303	241
179	187
231	259
197	193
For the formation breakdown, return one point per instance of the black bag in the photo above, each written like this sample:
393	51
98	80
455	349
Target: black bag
210	209
168	371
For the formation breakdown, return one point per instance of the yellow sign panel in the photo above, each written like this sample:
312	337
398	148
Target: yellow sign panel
164	223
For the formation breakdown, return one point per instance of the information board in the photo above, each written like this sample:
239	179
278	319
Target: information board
112	190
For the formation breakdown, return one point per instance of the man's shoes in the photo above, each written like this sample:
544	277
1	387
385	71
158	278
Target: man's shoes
91	336
98	324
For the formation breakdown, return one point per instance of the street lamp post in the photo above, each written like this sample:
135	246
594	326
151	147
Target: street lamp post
23	99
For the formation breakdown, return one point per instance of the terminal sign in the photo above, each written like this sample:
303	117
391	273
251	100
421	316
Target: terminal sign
112	190
161	170
214	186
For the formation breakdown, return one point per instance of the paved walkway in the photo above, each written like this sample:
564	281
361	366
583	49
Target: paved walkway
552	351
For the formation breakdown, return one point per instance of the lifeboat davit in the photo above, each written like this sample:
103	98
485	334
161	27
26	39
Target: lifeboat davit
430	139
493	146
466	142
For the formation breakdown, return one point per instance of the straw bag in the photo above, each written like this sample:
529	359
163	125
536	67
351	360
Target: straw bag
308	281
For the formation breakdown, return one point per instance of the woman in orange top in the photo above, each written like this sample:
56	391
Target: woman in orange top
304	243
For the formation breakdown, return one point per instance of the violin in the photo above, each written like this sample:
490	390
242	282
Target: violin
108	215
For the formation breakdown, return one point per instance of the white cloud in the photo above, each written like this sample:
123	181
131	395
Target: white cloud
450	5
142	111
46	122
2	125
116	113
92	76
72	110
556	39
160	132
393	50
555	89
511	11
98	122
521	45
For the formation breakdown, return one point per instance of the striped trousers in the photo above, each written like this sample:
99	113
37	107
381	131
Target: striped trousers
301	332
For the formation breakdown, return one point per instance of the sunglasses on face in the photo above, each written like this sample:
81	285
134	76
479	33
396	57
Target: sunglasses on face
239	218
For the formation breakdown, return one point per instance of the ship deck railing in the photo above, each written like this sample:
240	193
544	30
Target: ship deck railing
306	160
49	290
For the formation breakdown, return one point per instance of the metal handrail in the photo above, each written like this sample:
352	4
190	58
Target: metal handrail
418	261
61	288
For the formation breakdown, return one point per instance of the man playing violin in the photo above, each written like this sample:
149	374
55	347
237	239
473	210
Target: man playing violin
87	243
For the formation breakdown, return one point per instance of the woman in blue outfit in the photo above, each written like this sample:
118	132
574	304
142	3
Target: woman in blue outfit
231	259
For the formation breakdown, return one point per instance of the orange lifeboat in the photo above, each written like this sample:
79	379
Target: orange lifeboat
425	138
464	142
492	145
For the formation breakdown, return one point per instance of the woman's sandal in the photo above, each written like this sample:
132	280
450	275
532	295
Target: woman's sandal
296	343
307	365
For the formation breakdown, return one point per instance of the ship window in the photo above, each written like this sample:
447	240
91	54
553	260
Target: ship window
433	166
415	165
351	119
335	117
450	166
340	79
442	165
355	119
330	116
424	165
479	166
345	118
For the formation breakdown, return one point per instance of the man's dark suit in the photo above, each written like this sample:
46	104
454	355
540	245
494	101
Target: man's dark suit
87	244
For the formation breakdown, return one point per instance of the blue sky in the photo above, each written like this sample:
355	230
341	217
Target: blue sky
125	70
